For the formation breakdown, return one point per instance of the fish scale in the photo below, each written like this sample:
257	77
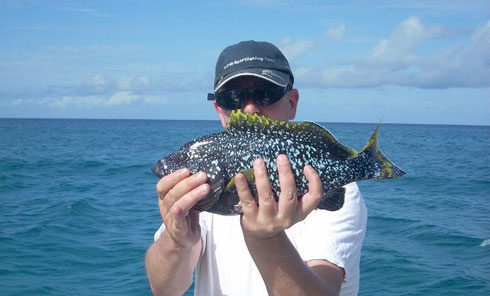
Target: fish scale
248	137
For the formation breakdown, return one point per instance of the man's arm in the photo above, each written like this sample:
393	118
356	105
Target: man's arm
280	265
169	267
285	273
171	260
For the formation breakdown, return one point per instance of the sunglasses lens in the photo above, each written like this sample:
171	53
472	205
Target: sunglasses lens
262	95
268	95
230	99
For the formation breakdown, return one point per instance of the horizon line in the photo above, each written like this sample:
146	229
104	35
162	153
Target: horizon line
169	119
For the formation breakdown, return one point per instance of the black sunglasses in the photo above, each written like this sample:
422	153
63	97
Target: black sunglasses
263	95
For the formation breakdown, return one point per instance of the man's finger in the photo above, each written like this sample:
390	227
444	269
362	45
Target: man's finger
177	220
267	202
288	198
312	198
247	200
182	187
188	200
168	182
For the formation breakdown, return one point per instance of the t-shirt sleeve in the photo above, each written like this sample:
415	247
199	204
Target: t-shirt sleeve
159	232
335	236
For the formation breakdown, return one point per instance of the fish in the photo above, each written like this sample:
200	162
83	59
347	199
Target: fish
250	136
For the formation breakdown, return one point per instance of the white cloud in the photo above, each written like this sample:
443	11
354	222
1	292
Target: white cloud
464	66
92	101
67	101
143	84
336	33
99	81
154	100
88	11
294	49
71	52
406	57
139	82
121	98
404	39
103	91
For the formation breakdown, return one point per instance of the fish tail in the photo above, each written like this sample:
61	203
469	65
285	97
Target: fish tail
374	164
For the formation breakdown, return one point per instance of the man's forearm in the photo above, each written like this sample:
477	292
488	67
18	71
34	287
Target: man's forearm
169	267
283	270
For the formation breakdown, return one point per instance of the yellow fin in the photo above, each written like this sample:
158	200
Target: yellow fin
307	131
249	175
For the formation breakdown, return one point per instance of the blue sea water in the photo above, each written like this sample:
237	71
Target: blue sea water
78	207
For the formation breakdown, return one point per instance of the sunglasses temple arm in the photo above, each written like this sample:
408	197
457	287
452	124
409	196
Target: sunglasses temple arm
211	97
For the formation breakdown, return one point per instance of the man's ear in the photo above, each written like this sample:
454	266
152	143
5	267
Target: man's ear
293	97
221	113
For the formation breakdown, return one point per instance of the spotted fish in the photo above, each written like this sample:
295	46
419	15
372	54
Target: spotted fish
248	137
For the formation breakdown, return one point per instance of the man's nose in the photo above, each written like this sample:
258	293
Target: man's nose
250	107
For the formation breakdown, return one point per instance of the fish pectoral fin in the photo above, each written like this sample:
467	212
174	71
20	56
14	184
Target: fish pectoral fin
216	191
206	203
332	200
249	175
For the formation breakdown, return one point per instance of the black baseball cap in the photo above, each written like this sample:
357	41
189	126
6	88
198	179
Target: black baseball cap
253	58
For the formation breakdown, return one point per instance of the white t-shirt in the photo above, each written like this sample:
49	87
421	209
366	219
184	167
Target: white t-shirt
226	267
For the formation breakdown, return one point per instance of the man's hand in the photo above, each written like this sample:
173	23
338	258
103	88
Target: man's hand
268	218
283	270
177	194
171	260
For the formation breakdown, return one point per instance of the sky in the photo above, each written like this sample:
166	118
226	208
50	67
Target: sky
421	62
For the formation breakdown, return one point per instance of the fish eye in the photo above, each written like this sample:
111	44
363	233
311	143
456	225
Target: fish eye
182	157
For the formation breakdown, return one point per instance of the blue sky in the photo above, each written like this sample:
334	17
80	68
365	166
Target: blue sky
354	61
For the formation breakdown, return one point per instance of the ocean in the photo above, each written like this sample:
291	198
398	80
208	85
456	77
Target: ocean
78	207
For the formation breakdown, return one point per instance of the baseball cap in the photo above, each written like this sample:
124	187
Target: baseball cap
253	58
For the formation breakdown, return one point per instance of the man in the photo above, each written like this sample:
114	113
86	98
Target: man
276	248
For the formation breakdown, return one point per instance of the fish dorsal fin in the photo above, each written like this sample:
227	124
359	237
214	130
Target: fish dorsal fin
305	132
240	121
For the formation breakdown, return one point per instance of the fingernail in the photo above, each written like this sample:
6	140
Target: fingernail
203	188
258	161
238	208
282	158
182	172
200	176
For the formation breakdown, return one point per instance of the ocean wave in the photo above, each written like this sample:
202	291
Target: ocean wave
129	169
485	243
83	207
440	236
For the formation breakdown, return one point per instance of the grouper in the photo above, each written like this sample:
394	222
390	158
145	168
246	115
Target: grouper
247	137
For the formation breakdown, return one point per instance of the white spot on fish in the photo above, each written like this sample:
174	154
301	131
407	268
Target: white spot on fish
193	147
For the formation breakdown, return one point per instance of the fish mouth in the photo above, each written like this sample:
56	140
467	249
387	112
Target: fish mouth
158	169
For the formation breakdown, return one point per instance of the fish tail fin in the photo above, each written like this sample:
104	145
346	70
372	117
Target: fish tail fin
376	165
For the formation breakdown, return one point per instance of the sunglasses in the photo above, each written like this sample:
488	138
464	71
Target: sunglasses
263	95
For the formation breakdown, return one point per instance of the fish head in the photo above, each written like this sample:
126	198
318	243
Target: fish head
198	155
174	162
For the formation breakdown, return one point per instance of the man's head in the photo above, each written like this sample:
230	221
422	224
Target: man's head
255	77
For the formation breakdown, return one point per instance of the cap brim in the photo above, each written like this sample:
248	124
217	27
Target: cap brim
274	76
